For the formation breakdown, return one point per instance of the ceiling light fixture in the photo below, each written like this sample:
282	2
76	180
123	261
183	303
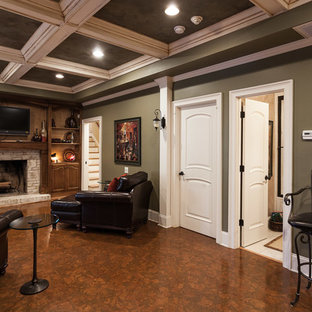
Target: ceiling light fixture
172	10
98	53
196	19
59	76
179	29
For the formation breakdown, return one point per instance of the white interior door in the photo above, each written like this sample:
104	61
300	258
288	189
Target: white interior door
255	160
199	164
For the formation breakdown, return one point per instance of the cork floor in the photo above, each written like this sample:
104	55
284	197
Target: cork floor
157	270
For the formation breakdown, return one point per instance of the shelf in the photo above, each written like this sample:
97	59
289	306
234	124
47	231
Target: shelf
41	146
65	143
63	128
65	163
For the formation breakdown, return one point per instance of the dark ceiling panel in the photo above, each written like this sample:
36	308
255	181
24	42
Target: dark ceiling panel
15	30
77	48
148	17
47	76
3	65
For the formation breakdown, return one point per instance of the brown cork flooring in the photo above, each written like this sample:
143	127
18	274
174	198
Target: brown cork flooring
157	270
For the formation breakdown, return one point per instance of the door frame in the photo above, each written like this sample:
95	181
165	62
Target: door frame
234	159
211	99
84	155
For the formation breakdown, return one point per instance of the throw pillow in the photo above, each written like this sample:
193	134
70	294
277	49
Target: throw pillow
112	187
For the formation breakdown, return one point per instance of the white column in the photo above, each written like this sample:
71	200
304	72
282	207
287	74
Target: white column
165	85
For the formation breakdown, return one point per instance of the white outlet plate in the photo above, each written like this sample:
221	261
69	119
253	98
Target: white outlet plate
126	169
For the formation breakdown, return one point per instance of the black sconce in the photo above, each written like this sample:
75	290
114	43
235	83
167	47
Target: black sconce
159	122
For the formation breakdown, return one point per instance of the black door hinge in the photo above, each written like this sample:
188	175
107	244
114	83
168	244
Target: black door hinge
242	114
241	222
242	168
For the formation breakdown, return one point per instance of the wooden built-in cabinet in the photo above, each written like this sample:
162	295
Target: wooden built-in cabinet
65	176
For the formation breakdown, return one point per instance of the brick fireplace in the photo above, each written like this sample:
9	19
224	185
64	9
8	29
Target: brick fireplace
22	169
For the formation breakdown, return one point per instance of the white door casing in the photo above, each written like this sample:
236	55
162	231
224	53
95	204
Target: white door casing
213	103
286	87
85	150
255	161
198	162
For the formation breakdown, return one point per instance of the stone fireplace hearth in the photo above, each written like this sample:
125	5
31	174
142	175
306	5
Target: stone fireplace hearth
22	169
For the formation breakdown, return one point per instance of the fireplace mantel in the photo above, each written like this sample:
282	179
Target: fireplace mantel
23	146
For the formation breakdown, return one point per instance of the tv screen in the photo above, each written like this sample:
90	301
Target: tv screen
14	120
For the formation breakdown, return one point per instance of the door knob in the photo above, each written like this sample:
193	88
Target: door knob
181	173
267	178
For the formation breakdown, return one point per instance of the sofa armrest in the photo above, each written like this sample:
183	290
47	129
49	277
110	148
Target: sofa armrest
7	217
103	197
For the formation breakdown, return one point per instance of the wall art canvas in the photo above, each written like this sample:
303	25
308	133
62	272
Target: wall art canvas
127	141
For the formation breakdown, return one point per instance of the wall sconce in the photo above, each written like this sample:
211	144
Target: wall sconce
159	122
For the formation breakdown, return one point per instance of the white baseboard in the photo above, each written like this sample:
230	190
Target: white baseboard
225	239
294	264
164	221
153	216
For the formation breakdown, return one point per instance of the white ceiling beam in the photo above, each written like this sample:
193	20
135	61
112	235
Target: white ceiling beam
271	7
47	37
42	85
77	12
41	10
86	85
122	37
11	55
12	71
55	64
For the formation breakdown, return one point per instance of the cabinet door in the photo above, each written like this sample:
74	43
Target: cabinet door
58	179
73	178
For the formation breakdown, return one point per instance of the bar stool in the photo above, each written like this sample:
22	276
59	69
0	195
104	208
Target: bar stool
303	222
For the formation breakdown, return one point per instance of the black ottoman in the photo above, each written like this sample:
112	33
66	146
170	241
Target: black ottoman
68	209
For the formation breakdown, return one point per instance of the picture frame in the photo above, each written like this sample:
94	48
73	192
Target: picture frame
127	141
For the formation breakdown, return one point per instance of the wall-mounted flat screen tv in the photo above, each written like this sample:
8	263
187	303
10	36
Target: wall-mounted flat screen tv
14	121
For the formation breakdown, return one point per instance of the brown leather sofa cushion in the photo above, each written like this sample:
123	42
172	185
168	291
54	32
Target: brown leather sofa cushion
7	217
127	183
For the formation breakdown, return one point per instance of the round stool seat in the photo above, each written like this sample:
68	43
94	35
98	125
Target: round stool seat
302	221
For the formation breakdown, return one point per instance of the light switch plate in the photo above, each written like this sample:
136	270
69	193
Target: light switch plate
126	169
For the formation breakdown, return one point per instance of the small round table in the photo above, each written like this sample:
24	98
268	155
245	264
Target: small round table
34	223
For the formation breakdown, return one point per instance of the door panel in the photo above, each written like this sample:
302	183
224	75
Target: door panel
255	159
198	162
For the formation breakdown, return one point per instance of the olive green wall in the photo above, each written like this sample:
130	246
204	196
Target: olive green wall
296	66
142	105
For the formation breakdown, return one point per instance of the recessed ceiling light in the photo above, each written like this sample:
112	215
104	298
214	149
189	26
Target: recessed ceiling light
179	29
59	76
172	10
98	53
196	20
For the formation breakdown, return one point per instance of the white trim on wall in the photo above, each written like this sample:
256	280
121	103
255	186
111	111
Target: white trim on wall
215	99
234	158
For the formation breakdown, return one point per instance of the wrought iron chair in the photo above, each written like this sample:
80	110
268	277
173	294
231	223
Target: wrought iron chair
303	222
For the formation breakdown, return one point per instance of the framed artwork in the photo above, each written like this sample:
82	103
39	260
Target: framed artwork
127	141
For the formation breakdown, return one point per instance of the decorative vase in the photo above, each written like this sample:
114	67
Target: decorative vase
71	121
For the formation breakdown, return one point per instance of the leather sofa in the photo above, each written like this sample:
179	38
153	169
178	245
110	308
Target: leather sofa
5	220
122	210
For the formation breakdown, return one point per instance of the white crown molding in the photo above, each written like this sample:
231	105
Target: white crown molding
299	44
11	55
305	30
86	85
42	85
121	93
222	28
40	10
122	37
214	68
132	65
63	66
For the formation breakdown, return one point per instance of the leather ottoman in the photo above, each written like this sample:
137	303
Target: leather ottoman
68	209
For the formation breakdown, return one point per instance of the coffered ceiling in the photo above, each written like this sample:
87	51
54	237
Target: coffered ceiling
40	38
